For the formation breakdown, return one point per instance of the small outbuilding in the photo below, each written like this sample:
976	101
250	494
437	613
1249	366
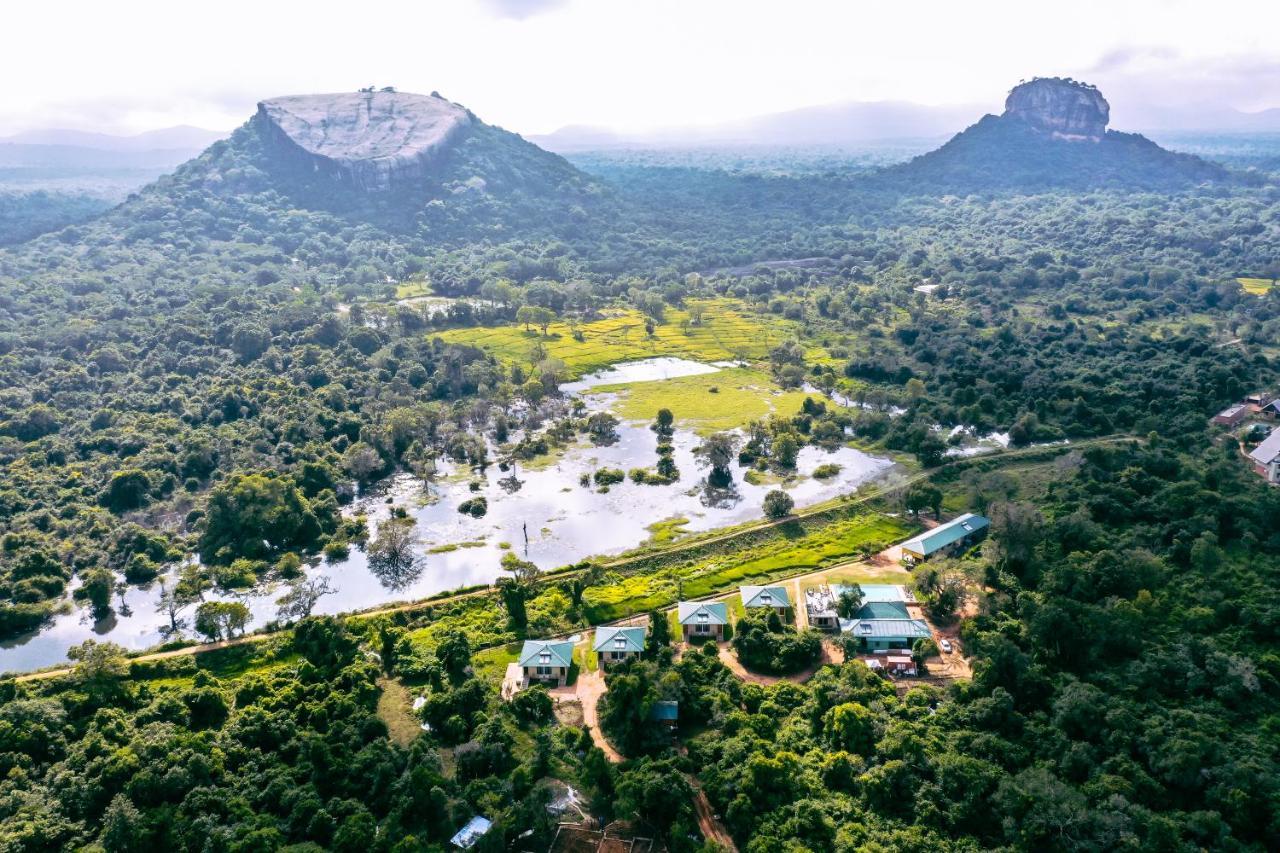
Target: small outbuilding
1232	415
465	838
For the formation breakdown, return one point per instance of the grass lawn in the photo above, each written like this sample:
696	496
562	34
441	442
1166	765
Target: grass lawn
395	708
491	664
1256	286
412	289
791	550
728	331
708	402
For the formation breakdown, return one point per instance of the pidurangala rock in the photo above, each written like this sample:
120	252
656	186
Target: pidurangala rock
371	139
1060	107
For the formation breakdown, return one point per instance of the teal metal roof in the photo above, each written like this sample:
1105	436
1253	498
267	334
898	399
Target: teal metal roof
883	610
665	711
943	535
547	653
703	612
619	640
765	596
886	628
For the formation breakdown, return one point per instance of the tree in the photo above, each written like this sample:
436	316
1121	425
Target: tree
302	597
921	496
778	504
393	556
663	422
718	451
126	490
217	620
535	315
250	514
603	428
849	602
659	636
454	654
124	830
851	727
97	586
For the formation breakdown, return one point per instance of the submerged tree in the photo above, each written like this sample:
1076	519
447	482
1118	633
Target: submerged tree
393	556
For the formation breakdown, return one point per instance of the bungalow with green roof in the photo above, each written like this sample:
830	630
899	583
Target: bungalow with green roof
547	660
618	645
702	619
945	538
886	633
772	597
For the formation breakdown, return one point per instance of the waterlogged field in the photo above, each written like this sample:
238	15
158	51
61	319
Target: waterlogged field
725	331
707	402
548	515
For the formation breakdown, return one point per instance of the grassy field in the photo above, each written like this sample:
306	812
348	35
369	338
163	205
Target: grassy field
1256	286
708	402
785	552
727	331
412	289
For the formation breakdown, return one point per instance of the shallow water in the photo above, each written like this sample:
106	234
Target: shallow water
644	370
564	523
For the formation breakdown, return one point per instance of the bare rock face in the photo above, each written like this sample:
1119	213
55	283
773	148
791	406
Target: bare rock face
1063	108
371	140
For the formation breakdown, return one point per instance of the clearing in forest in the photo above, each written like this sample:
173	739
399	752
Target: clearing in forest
1256	286
707	402
707	330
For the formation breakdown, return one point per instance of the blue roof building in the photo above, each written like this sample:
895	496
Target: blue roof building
615	645
945	538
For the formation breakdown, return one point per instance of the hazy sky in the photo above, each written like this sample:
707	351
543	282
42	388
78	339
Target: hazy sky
535	65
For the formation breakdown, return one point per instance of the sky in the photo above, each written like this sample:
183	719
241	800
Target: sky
533	66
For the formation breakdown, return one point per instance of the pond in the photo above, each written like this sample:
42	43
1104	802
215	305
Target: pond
542	514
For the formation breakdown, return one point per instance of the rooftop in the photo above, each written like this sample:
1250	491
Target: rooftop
943	535
881	628
470	834
765	596
619	640
547	653
1266	453
703	612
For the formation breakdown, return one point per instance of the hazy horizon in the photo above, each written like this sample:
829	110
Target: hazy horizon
536	66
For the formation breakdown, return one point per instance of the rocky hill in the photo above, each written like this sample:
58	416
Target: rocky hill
1052	133
368	139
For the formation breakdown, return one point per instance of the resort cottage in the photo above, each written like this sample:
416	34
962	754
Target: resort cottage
617	645
772	597
1266	457
547	661
945	538
702	619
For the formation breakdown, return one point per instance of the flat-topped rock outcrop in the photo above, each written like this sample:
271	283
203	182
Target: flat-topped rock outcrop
1063	108
371	140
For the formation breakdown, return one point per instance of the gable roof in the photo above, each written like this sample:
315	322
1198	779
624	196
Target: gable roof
619	640
883	610
1266	453
547	653
881	628
946	534
764	596
703	612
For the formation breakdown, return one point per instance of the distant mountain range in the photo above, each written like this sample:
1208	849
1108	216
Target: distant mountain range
182	137
866	123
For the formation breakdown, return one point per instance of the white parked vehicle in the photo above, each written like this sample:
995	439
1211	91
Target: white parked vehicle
946	646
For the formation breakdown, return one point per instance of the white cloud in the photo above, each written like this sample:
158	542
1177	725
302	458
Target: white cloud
535	65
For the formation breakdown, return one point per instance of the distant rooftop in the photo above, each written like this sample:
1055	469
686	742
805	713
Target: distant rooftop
1266	453
619	640
880	628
